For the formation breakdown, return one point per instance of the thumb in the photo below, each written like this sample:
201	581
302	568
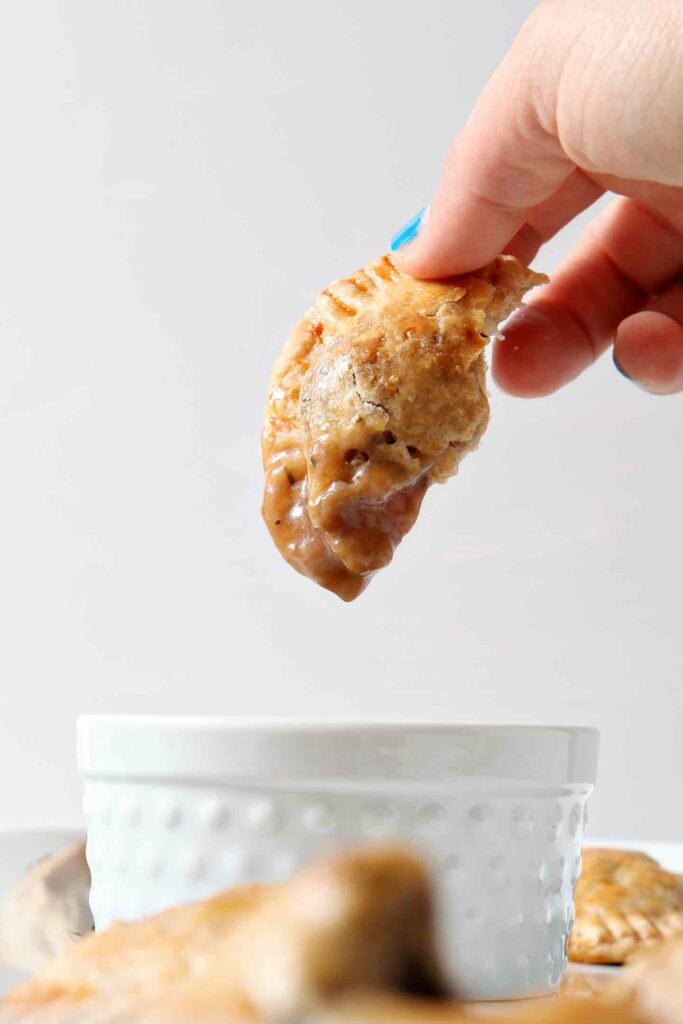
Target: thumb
506	161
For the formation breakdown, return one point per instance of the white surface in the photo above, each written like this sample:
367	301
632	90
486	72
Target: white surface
286	751
21	849
669	855
178	181
179	809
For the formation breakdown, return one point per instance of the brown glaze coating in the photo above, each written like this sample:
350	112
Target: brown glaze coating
379	392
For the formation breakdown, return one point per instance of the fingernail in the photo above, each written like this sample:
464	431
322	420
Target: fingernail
619	367
409	231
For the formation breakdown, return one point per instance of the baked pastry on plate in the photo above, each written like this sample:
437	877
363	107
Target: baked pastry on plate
349	940
402	1010
47	911
653	982
624	901
649	990
361	918
379	392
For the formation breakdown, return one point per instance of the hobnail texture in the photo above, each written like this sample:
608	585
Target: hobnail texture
504	867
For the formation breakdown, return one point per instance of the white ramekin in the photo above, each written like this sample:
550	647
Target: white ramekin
178	808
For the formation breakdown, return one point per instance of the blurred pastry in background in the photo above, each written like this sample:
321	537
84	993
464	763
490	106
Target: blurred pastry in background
653	982
349	939
47	911
359	919
624	901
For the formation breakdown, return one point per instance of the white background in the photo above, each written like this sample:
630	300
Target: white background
177	182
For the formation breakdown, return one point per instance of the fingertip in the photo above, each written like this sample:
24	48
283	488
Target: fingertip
410	261
542	350
619	368
430	260
447	241
648	350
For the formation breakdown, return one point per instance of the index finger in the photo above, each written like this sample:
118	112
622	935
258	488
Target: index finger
506	161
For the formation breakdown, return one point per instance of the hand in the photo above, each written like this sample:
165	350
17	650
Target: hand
589	99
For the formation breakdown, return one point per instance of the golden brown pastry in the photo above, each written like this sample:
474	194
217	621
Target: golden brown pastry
653	982
128	967
381	1009
361	918
649	990
379	391
585	984
349	940
624	901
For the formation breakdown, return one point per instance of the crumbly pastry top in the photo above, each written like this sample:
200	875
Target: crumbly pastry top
379	392
624	901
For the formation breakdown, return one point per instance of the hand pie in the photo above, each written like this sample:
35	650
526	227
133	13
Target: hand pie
648	991
653	982
361	918
624	901
379	392
378	1010
47	911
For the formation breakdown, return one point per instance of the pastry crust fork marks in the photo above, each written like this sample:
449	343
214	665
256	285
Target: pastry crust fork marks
624	901
379	392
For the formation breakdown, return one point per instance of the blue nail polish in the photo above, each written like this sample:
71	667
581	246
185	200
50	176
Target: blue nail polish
619	367
408	232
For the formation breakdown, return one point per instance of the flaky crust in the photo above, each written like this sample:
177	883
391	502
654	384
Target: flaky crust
360	918
624	901
379	392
